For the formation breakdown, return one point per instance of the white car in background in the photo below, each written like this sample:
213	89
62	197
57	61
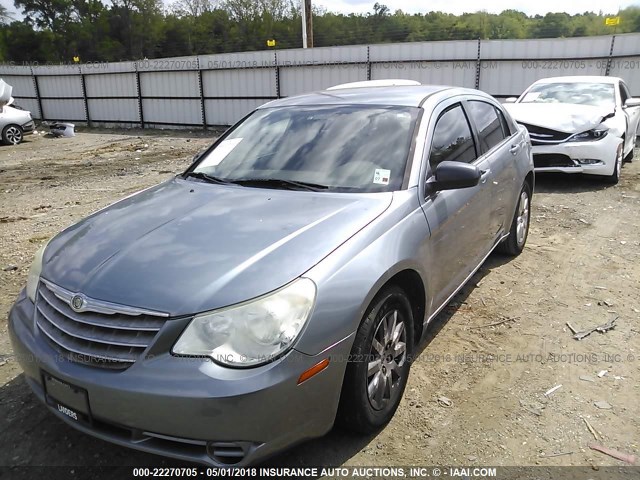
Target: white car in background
584	124
15	122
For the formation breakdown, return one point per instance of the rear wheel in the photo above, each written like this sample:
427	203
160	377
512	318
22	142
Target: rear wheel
12	135
378	369
514	243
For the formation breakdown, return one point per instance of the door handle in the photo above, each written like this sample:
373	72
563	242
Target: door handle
514	149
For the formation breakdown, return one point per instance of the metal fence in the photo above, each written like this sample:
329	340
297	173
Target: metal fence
214	90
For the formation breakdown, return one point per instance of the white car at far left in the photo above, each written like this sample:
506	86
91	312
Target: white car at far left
583	124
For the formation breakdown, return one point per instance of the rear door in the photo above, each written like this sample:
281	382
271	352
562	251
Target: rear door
458	219
501	149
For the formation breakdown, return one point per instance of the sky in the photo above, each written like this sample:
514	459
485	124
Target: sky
456	6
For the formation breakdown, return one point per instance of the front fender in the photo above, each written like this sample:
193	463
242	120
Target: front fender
350	277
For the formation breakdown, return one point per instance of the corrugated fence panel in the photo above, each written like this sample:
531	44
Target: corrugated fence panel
249	82
30	104
169	84
424	51
60	86
172	111
627	44
23	85
295	80
108	67
322	55
106	110
510	78
70	110
460	73
111	85
627	68
237	60
228	112
545	48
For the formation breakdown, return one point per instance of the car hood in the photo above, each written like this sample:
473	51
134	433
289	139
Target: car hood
563	117
184	247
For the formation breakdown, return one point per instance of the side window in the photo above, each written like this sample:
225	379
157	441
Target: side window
624	93
505	125
452	138
490	128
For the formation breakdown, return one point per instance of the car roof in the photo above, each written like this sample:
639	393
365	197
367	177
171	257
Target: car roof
399	95
580	79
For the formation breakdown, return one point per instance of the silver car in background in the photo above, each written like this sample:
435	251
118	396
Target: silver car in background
281	283
15	122
581	124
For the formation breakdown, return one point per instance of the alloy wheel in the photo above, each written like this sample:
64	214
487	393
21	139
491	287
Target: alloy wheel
387	356
13	135
522	221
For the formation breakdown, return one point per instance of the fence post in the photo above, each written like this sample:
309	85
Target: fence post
201	89
275	58
368	63
140	112
478	66
84	96
37	89
610	59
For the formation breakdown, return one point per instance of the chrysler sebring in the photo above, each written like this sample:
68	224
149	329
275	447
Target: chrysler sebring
283	281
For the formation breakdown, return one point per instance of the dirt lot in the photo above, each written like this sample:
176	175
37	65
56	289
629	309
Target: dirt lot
501	344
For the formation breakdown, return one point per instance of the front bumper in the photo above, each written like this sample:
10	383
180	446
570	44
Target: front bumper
191	408
28	128
576	157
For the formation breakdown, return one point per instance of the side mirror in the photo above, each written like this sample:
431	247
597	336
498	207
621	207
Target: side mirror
510	99
632	102
453	175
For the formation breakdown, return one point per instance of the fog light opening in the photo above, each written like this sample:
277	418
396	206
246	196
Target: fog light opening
590	161
317	368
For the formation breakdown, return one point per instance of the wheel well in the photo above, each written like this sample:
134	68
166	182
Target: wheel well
411	283
529	180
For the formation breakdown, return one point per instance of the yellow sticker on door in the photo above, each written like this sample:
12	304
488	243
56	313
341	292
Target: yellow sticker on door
381	176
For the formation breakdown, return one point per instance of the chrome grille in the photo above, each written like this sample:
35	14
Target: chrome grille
101	334
542	136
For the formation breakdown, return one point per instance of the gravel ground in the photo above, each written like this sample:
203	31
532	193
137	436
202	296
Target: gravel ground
493	352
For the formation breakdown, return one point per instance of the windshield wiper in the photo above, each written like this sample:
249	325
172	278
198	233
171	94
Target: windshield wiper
207	178
280	183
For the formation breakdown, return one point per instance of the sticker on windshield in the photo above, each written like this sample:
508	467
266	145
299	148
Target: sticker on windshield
220	152
381	176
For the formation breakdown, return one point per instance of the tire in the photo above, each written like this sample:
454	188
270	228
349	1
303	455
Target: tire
629	157
12	135
617	168
519	231
370	397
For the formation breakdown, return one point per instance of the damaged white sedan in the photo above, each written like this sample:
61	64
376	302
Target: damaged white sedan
584	124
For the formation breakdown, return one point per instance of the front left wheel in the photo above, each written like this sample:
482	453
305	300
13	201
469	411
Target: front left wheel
617	168
379	363
12	135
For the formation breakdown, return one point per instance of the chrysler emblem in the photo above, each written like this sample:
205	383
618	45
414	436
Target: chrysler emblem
78	302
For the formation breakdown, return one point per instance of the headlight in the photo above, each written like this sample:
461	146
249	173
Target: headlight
595	134
34	273
251	333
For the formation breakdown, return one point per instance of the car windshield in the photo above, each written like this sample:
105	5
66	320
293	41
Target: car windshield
360	148
579	93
